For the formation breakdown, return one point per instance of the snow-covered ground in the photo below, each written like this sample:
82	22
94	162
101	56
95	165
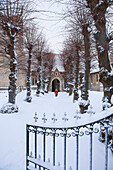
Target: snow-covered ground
12	129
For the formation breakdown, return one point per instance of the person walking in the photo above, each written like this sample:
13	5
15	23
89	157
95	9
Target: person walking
56	92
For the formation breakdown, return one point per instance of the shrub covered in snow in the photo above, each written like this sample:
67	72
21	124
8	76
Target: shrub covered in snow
83	104
9	108
106	105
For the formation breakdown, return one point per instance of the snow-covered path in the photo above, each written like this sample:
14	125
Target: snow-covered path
12	128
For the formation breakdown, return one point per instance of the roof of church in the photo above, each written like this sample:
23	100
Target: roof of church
58	64
94	67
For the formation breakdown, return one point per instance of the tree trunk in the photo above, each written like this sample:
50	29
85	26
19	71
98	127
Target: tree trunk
76	95
13	70
85	102
102	44
38	86
28	81
40	79
70	89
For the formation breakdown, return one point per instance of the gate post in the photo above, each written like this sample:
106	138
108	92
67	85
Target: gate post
91	136
106	143
77	148
35	145
27	145
65	133
44	146
54	148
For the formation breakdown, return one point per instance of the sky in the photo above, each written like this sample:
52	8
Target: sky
52	24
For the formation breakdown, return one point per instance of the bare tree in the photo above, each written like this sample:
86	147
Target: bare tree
68	63
79	16
71	60
78	49
40	49
48	62
84	105
31	37
99	11
11	13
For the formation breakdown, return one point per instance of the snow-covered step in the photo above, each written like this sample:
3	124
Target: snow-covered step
43	164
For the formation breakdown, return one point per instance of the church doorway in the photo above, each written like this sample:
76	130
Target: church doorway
55	85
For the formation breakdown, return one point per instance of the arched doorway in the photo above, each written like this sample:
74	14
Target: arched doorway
55	85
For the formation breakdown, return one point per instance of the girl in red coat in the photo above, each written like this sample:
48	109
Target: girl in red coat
56	92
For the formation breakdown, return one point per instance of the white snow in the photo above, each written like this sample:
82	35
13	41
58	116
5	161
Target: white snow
100	3
13	127
101	48
96	31
89	29
111	73
71	84
94	67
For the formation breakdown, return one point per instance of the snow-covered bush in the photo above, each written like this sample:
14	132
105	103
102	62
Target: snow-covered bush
105	104
83	104
76	94
9	108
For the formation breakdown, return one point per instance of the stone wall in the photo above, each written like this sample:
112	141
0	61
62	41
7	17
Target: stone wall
94	83
4	78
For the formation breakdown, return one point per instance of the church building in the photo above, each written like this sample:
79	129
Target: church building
57	76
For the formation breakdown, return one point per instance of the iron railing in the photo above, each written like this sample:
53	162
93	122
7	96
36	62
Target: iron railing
87	126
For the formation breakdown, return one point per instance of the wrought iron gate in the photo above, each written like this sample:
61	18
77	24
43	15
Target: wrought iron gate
36	160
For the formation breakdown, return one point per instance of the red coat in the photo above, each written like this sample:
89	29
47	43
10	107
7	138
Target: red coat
56	91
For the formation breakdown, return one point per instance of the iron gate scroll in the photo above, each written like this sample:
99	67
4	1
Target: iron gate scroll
36	161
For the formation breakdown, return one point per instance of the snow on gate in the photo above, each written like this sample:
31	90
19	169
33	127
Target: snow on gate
67	146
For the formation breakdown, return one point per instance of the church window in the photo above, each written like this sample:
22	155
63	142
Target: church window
34	80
